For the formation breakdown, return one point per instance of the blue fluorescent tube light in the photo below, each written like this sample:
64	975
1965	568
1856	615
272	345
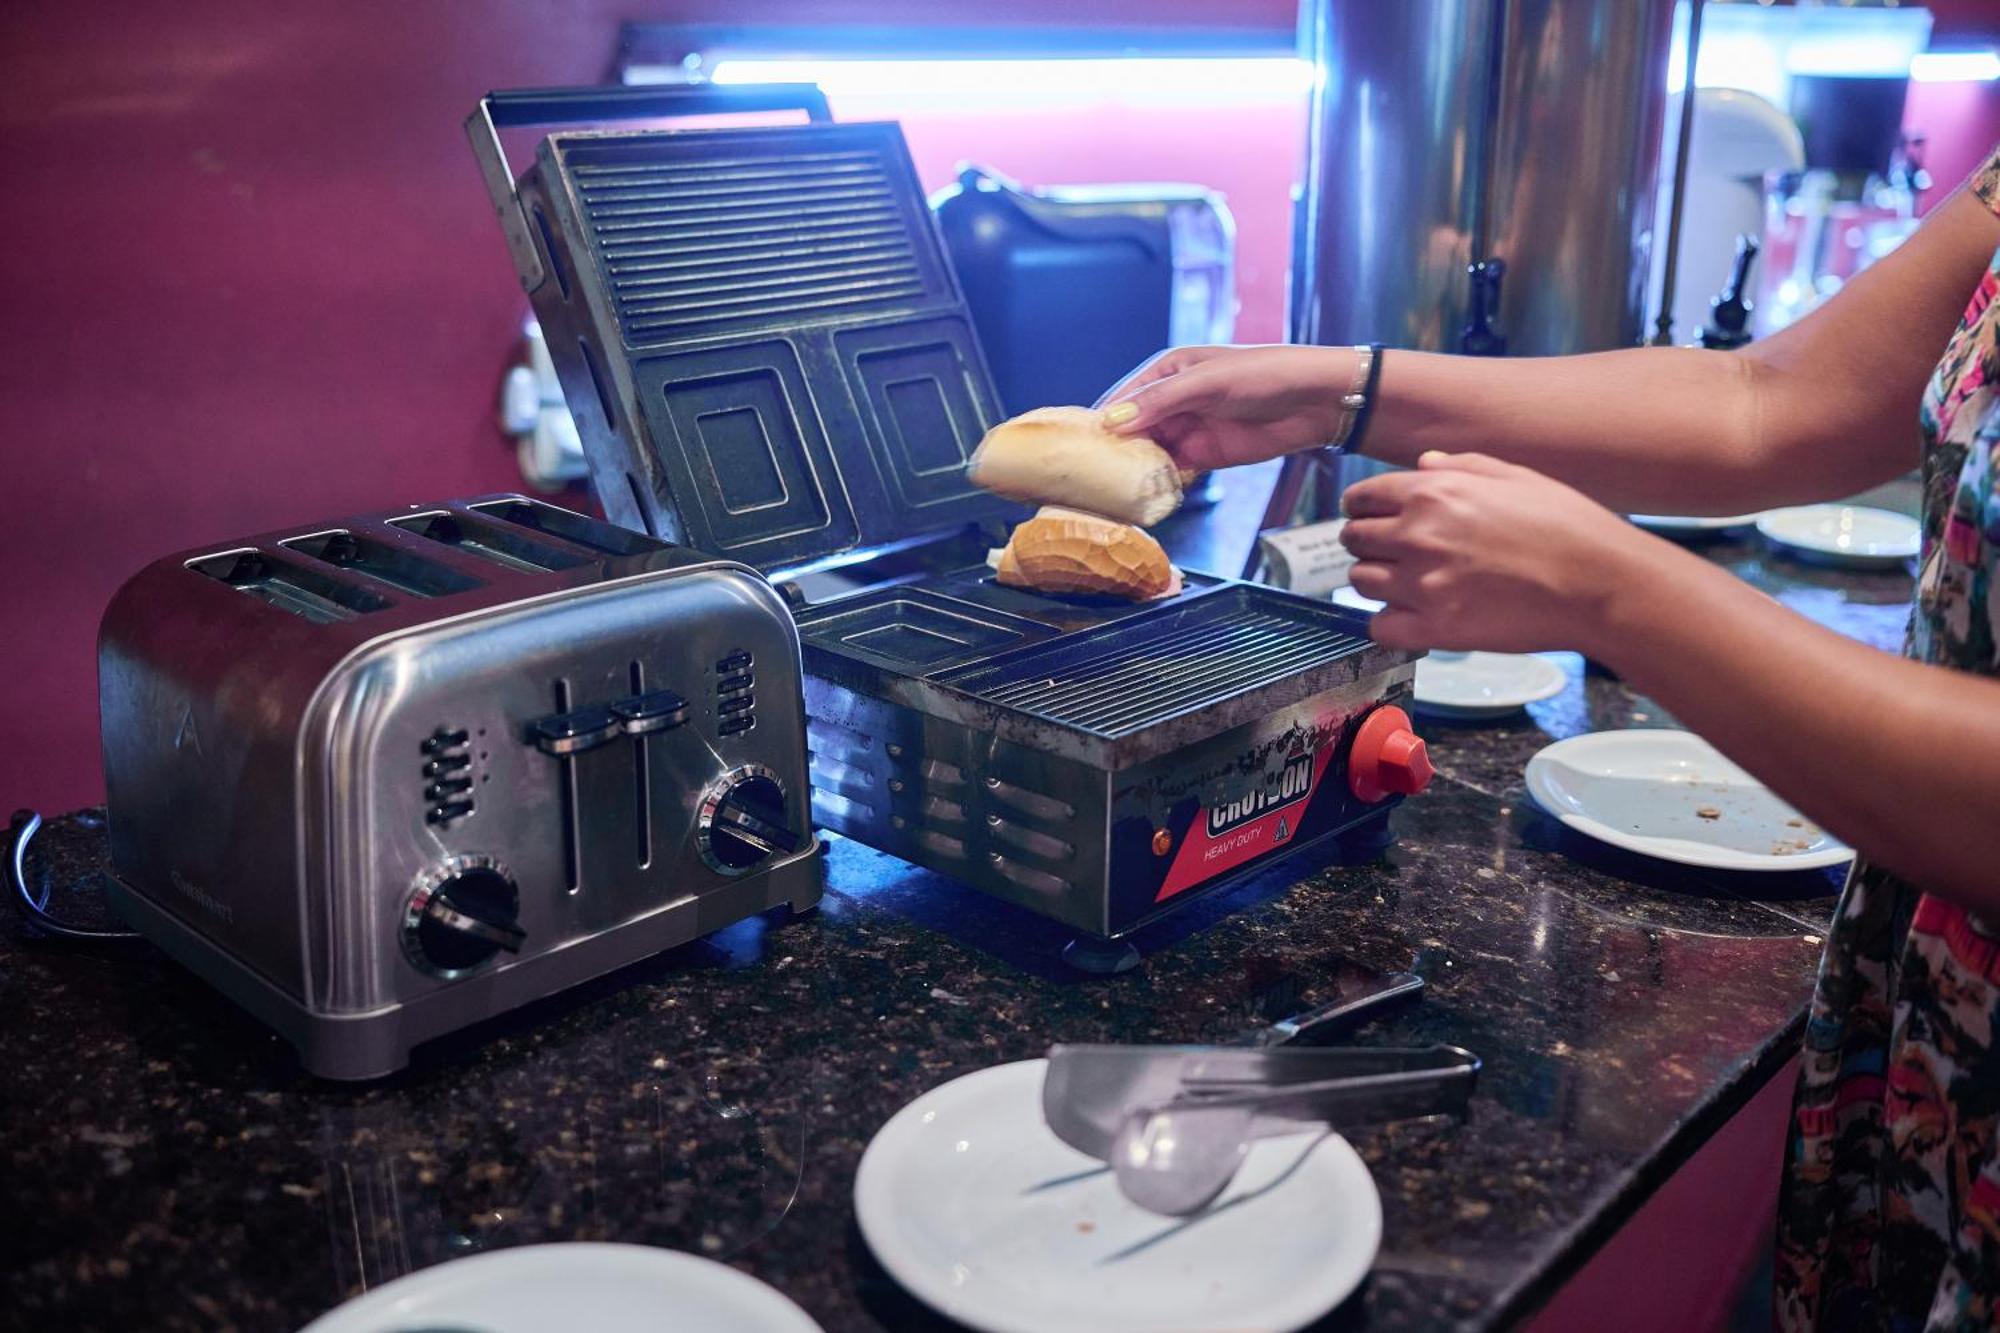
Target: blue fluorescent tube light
1955	67
1041	83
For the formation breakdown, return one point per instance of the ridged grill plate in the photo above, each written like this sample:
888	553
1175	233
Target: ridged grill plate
1139	672
699	243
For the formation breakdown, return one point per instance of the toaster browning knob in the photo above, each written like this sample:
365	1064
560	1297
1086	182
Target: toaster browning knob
743	821
460	915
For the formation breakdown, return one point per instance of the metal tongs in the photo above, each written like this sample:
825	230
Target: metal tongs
1176	1122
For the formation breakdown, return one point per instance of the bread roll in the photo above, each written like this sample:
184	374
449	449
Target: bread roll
1064	551
1065	456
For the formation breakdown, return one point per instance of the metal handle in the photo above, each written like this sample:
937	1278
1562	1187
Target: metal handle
596	106
1338	1016
1739	272
1373	1085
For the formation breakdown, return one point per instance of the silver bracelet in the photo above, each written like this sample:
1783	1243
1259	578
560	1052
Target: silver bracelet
1356	396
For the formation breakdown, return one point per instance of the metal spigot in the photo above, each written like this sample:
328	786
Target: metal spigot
1729	312
1480	337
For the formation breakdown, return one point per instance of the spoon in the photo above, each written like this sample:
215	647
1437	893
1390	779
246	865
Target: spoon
1175	1159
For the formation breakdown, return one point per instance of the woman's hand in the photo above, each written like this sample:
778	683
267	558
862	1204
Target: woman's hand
1215	407
1473	553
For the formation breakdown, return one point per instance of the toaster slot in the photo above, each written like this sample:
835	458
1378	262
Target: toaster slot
307	593
383	562
605	537
642	797
572	849
498	543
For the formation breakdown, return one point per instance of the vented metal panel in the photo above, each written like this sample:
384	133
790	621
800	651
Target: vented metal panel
690	246
1117	681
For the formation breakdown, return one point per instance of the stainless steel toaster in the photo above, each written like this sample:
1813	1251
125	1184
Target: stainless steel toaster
381	778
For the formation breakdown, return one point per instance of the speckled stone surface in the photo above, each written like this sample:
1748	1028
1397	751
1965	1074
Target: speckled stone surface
164	1163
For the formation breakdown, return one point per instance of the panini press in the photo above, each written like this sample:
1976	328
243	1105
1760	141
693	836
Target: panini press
769	360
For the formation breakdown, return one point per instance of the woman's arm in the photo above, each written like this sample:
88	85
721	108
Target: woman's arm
1822	409
1899	759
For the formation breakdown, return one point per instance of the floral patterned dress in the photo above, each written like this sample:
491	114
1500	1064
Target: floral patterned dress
1890	1213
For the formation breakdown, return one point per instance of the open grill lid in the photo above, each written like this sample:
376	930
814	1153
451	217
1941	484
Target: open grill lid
763	343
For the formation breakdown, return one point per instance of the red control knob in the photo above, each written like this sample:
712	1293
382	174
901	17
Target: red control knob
1388	758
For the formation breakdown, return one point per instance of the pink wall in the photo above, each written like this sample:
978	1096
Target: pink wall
1963	122
250	283
253	279
1962	119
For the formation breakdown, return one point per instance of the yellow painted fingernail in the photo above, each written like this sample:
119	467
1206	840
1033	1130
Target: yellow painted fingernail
1119	413
1431	455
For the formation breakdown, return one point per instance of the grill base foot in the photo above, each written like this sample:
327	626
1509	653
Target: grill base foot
1100	958
1365	842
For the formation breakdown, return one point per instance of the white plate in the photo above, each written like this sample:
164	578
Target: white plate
977	1208
1687	525
1672	795
1485	684
570	1288
1845	534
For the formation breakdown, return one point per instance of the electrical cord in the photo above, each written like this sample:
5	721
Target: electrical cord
27	825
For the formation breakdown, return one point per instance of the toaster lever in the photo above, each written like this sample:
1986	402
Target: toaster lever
573	733
647	713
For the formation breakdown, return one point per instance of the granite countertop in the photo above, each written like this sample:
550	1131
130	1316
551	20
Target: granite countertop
168	1165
